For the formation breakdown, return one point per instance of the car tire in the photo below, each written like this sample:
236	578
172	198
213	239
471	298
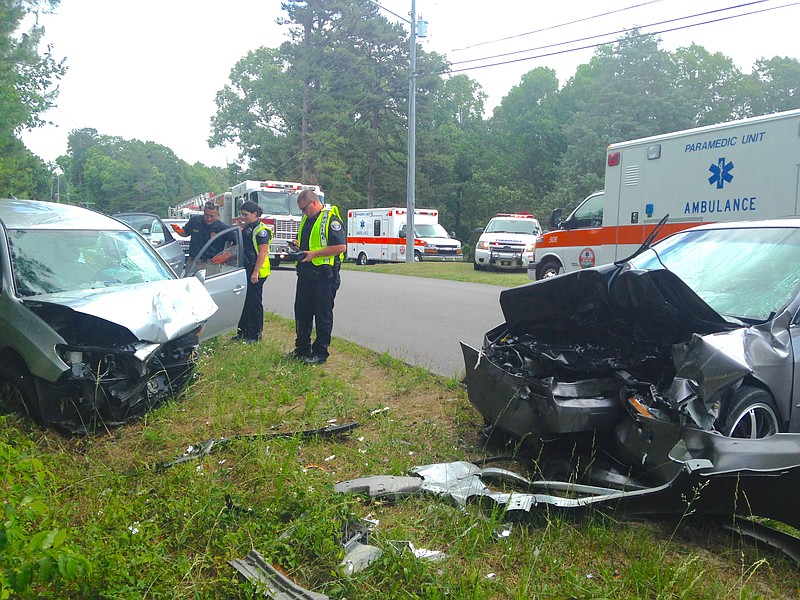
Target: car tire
751	414
18	391
362	259
549	268
417	256
478	267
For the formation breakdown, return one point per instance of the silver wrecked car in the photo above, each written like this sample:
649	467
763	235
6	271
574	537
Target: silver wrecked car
699	330
94	325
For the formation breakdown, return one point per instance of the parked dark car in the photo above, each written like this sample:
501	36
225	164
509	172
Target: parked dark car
95	327
159	235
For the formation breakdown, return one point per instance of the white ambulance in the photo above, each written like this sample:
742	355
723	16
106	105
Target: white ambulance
741	170
379	235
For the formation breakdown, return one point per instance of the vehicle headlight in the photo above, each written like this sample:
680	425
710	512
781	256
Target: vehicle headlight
483	245
530	247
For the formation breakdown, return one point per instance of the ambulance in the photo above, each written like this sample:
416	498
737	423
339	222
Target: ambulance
379	235
735	171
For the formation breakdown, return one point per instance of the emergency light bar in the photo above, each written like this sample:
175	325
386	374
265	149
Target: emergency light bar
516	215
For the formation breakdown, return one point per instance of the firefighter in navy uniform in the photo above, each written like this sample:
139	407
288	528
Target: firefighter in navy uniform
255	239
322	239
200	229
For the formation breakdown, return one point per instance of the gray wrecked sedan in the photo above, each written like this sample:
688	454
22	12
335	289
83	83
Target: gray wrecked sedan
668	371
94	325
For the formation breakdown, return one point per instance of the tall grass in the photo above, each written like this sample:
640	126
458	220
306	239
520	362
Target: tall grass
138	531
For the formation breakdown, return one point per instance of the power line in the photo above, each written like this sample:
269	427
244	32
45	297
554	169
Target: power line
610	33
588	46
551	27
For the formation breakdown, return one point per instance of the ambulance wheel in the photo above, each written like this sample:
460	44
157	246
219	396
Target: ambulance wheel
417	256
478	267
751	414
549	268
362	259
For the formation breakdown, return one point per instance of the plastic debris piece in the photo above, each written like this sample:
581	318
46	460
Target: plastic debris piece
503	532
274	583
358	557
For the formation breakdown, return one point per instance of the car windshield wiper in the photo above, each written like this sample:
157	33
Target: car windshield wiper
648	241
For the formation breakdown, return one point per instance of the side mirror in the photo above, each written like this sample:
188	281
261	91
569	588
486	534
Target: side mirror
453	234
478	230
402	234
556	218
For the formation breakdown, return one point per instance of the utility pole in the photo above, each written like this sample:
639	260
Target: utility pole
412	131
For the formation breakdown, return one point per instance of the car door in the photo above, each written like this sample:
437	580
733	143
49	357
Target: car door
225	279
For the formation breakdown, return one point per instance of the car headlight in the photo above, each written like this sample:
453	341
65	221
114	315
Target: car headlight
530	247
483	245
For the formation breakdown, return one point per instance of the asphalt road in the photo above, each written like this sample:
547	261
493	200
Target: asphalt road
415	319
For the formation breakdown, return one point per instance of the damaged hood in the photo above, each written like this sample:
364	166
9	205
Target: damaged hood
154	312
651	305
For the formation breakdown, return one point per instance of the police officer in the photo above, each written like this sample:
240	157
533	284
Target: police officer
322	239
255	238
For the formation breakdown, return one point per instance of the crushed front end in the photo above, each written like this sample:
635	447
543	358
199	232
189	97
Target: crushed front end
575	349
111	376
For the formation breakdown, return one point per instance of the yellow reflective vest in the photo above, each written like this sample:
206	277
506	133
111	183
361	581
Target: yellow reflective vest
264	270
318	238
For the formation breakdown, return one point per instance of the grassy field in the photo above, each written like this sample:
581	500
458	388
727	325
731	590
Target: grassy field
95	517
454	271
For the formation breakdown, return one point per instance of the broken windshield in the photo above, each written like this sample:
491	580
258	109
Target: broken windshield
746	272
51	260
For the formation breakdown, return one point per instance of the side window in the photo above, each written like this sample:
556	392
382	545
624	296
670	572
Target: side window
376	228
589	214
227	254
156	237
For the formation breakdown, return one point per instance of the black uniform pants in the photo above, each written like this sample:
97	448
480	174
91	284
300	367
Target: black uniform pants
313	307
251	323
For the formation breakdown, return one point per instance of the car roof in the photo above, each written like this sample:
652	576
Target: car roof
37	214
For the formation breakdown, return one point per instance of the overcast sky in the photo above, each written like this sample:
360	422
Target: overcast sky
150	69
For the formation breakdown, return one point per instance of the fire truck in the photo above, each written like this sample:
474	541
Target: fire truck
278	202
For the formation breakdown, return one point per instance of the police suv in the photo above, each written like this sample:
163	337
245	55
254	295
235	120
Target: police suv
507	242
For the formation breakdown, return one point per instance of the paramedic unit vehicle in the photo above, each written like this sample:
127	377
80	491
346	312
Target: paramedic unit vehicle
278	202
736	171
507	242
379	235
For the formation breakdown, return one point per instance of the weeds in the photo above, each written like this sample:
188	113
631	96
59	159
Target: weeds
135	532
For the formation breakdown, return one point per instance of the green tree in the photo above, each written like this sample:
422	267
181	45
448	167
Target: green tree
628	90
453	139
710	83
777	85
27	89
528	132
114	175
